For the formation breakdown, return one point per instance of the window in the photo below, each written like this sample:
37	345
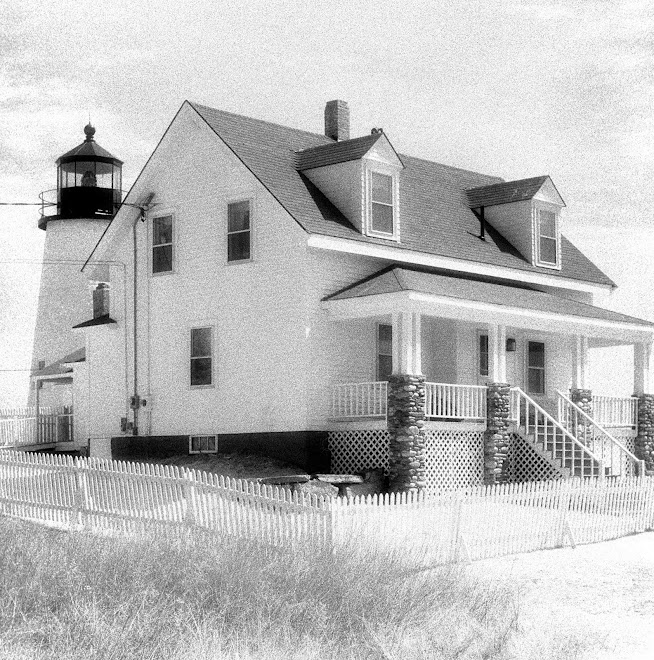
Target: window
162	244
547	245
239	239
384	351
202	444
41	365
536	367
382	220
482	353
201	357
101	300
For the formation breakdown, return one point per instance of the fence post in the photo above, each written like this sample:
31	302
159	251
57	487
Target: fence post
77	518
189	499
455	528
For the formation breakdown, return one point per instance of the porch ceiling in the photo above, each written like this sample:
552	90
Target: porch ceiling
400	289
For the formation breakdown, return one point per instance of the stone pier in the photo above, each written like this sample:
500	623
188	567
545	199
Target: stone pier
644	445
496	437
406	427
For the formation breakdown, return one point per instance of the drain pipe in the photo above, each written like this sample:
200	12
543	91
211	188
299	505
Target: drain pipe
135	398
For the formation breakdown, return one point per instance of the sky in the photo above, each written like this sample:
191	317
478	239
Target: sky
509	88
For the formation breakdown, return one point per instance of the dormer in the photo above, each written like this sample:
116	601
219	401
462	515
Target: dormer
527	213
359	176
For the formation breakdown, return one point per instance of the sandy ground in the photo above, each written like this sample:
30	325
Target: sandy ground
598	597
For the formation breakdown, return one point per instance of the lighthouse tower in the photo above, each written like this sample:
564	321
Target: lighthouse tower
74	217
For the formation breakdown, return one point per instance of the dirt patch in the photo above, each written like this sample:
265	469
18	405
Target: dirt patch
595	602
236	465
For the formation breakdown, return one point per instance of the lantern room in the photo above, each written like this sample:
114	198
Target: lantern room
89	182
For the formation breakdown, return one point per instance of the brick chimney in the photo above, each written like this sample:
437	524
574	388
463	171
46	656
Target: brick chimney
337	120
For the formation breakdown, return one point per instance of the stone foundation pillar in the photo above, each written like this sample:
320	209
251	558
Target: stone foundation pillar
583	399
496	437
406	427
644	445
580	428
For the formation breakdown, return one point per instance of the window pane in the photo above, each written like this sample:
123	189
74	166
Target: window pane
384	367
162	230
238	216
238	246
162	259
548	250
201	371
483	355
548	224
536	354
201	342
385	339
382	188
382	218
536	381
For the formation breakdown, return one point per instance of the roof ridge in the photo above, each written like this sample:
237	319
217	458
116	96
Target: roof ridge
542	177
374	137
451	167
261	121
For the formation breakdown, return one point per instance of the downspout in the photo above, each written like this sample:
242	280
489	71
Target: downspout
136	402
482	222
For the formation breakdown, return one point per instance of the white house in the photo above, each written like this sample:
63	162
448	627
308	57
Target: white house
274	289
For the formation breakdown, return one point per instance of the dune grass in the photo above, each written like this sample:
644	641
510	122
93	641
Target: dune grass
74	596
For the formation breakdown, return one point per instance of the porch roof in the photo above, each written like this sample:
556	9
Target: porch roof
61	366
476	300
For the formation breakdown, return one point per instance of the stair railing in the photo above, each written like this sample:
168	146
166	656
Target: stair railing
619	460
538	422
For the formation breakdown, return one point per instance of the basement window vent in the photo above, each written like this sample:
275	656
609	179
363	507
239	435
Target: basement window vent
202	444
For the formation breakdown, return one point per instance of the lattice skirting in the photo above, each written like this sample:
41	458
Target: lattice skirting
524	463
453	458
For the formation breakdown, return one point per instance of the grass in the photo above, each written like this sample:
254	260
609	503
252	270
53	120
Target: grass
73	596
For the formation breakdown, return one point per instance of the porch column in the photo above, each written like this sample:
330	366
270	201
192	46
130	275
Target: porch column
407	337
642	354
580	363
406	407
497	353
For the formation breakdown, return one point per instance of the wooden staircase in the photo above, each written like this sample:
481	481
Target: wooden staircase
567	456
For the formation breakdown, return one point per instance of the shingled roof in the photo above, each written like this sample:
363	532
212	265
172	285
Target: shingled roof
435	215
506	192
336	152
397	279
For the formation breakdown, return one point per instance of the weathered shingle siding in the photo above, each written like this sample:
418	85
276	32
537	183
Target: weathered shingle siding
257	309
339	351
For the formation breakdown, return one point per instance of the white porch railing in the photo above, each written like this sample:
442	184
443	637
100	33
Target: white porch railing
23	431
615	411
355	400
442	400
615	456
25	411
552	438
447	401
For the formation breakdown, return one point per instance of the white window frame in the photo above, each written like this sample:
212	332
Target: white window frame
191	357
238	200
536	340
479	375
379	168
538	235
377	351
174	243
209	437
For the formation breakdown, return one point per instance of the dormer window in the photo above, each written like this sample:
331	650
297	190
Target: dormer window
382	203
547	238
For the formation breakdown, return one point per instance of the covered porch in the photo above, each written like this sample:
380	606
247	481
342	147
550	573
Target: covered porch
466	336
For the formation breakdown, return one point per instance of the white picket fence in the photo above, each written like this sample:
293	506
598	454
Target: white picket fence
473	523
